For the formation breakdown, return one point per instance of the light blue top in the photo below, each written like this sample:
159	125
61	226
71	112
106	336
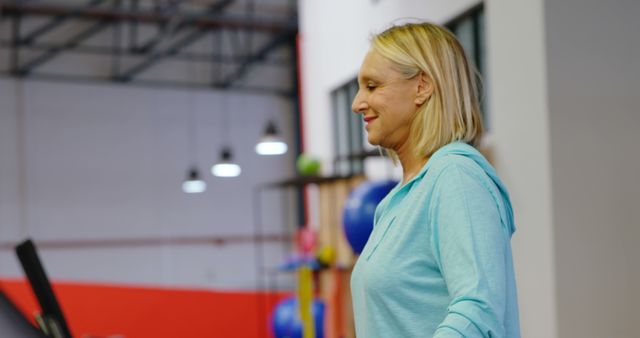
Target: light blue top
438	262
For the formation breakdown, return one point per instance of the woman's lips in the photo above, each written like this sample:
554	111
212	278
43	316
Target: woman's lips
368	120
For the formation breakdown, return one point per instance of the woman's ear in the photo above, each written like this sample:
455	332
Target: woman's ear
425	89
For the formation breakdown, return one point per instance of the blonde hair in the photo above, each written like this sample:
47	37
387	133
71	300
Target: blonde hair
452	113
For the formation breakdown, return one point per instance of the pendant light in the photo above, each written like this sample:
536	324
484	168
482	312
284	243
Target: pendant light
192	184
271	143
225	166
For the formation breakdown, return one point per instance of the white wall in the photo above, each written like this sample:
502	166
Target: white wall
521	149
99	162
593	58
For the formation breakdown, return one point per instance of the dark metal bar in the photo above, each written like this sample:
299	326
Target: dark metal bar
106	50
153	42
476	40
258	56
200	21
116	43
53	23
300	201
175	48
216	66
133	27
234	42
153	83
71	43
128	74
250	8
15	45
455	21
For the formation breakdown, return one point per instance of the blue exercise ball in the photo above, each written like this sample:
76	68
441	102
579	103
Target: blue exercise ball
286	318
359	210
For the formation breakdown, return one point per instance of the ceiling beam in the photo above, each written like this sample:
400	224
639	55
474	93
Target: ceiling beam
116	15
130	73
261	90
216	8
71	43
54	23
107	51
259	55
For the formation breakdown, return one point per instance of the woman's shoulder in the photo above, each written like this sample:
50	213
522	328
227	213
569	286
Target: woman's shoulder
453	164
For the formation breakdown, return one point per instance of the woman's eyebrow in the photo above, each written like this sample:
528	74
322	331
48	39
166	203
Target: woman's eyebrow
367	77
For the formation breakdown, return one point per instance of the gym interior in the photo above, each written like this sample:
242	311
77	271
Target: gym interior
192	168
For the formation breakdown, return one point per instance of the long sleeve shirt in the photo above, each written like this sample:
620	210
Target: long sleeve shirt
438	262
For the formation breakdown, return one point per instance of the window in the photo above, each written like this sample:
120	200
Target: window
469	28
348	131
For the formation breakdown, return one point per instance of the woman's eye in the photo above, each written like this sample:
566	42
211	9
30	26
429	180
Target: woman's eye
371	87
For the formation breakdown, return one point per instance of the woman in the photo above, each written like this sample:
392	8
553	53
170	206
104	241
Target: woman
438	262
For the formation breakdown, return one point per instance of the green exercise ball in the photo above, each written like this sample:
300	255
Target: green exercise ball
307	165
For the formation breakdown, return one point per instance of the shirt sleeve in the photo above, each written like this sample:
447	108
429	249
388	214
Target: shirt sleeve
470	244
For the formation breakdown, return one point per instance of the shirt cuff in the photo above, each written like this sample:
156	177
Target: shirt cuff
457	325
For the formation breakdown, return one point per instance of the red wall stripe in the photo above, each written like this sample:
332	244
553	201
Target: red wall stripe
140	312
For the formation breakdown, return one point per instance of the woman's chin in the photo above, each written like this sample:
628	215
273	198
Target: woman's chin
373	140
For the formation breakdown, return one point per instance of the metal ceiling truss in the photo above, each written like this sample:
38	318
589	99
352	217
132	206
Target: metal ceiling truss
176	30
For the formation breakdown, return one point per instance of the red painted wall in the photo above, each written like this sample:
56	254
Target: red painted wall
139	312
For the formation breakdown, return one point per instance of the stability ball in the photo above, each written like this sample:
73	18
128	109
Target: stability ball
286	319
359	209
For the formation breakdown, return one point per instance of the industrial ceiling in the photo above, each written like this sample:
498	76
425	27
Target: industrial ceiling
223	44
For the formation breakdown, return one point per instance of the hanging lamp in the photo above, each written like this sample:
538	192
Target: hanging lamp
271	142
193	184
225	167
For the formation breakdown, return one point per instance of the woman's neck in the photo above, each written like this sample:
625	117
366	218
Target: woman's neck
411	164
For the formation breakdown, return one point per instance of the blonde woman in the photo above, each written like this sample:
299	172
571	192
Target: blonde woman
438	262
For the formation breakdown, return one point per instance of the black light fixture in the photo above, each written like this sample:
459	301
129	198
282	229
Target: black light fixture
193	184
225	167
271	143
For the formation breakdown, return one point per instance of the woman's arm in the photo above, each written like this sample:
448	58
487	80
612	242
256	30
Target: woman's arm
470	244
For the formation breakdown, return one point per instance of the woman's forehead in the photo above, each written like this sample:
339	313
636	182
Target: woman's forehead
374	66
373	59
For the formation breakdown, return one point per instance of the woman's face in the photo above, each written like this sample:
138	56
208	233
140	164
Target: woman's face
386	100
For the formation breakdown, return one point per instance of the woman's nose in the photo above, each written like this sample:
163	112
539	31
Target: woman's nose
359	105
